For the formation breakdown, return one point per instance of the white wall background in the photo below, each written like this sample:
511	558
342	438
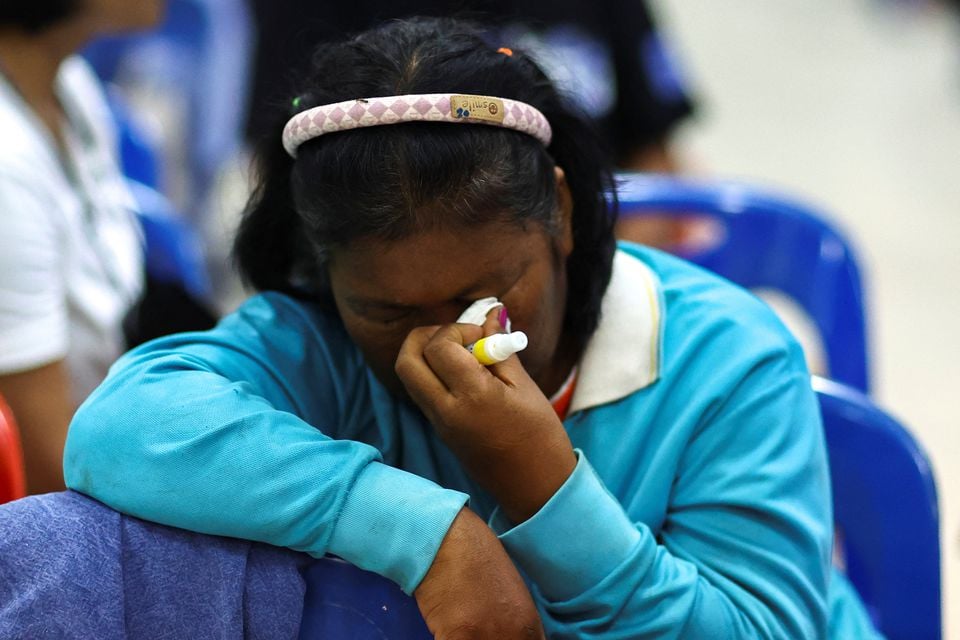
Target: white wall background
854	105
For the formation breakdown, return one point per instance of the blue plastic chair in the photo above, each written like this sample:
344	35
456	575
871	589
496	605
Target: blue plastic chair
139	158
173	252
200	53
343	601
771	241
885	507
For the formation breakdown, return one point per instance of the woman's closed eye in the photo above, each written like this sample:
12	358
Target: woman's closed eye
386	315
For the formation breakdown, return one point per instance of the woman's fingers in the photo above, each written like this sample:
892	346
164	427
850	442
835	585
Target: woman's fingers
433	362
494	419
415	374
510	371
447	356
492	324
439	352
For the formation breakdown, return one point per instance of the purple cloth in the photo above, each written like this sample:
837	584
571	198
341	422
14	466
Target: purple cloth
72	568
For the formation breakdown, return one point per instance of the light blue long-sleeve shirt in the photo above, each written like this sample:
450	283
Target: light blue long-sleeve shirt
699	506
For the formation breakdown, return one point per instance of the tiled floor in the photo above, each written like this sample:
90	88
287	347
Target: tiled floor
855	105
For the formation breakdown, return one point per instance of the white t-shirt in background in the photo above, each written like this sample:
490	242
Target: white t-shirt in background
71	256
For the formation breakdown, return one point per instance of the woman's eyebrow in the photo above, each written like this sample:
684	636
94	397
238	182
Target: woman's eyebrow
479	288
372	303
500	277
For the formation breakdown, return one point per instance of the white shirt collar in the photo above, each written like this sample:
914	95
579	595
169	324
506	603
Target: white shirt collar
623	356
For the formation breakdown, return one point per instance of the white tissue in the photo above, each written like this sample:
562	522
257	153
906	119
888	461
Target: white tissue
477	312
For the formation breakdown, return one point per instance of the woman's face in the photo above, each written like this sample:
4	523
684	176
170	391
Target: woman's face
384	289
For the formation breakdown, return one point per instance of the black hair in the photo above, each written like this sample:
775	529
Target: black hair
36	15
389	181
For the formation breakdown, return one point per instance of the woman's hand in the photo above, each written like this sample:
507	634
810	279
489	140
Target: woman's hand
495	419
472	589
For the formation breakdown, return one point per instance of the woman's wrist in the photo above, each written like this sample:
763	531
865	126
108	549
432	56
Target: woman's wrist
523	486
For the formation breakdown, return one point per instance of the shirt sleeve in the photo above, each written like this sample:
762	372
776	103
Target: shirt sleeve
743	551
207	432
576	557
33	313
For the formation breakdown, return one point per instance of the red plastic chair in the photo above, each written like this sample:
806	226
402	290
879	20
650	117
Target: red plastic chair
13	478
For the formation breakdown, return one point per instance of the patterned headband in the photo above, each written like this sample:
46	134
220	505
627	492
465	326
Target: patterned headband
433	107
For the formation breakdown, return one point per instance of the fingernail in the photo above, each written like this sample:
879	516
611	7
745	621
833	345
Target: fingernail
503	317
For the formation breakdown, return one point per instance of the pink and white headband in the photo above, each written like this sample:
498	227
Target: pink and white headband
432	107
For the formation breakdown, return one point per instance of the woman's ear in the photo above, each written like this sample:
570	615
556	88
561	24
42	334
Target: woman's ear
565	211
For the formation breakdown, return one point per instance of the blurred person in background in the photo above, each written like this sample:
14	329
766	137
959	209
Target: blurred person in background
70	252
607	56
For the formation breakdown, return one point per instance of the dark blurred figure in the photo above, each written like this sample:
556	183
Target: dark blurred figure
606	54
70	254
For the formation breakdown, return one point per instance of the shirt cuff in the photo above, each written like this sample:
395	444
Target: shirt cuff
575	540
392	523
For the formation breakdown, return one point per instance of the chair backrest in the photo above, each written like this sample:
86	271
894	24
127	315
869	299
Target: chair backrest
199	57
139	156
174	250
885	508
771	241
343	601
13	477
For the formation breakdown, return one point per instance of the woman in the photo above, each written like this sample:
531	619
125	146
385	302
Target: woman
676	484
70	256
